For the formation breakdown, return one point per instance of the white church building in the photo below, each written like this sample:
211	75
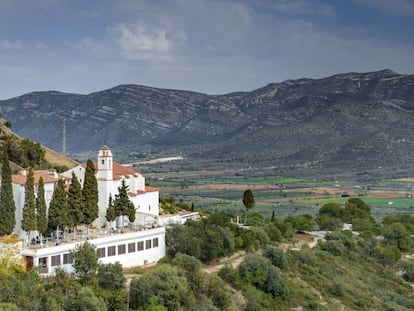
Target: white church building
109	175
141	244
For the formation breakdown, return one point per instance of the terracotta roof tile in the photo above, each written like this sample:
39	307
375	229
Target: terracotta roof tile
118	170
147	189
48	177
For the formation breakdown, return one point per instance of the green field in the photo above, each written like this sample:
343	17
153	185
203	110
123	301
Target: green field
286	195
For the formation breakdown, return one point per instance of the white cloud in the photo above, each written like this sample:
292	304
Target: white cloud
139	43
400	7
16	45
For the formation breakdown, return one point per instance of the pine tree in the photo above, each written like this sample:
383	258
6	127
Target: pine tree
58	210
110	211
7	205
122	204
29	222
75	202
41	209
90	195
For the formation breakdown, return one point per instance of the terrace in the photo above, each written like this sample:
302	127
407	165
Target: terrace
81	234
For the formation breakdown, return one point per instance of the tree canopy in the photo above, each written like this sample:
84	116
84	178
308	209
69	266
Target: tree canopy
7	205
90	194
41	208
75	202
58	210
122	204
248	202
29	222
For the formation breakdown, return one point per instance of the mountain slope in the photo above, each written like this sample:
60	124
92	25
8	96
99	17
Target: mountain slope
352	120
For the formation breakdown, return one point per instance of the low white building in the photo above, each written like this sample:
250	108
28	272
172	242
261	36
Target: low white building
131	249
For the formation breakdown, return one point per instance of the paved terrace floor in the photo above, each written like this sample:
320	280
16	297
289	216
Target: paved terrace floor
81	234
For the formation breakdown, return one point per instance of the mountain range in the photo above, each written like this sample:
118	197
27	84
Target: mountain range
351	121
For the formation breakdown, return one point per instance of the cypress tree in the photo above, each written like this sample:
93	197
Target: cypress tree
110	211
41	208
122	204
7	206
75	202
90	194
248	202
58	210
29	222
273	218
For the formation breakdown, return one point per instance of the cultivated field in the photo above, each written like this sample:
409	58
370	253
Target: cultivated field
277	191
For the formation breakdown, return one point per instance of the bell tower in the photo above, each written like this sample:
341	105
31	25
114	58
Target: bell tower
105	163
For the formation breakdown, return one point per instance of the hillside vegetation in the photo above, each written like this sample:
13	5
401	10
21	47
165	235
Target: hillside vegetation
344	271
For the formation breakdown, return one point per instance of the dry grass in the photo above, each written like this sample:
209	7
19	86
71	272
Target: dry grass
56	158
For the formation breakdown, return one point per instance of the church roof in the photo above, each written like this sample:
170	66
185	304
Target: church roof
147	189
118	170
105	147
49	176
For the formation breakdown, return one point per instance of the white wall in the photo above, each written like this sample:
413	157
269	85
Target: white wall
79	172
129	259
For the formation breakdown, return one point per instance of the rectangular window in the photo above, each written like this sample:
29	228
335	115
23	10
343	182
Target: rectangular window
101	252
121	249
131	247
140	246
147	244
111	251
55	260
43	262
155	242
67	258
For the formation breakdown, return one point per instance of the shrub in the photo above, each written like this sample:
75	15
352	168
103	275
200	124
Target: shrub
276	256
230	276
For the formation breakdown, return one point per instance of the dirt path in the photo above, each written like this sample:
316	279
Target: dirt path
234	260
299	241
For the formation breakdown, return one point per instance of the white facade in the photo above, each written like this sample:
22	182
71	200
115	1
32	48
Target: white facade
109	175
50	178
131	249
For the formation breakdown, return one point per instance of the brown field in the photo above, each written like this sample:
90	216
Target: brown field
236	187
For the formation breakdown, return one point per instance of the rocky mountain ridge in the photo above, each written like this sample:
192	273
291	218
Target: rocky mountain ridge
348	121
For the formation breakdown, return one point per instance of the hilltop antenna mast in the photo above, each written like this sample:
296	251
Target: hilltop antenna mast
64	136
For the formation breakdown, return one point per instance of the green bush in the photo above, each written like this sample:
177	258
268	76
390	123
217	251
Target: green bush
276	256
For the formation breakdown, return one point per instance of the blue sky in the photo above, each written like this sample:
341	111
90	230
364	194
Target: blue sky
210	46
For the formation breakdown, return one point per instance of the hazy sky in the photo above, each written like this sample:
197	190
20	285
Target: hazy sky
211	46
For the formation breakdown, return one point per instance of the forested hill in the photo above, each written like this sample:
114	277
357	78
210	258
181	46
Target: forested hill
357	121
